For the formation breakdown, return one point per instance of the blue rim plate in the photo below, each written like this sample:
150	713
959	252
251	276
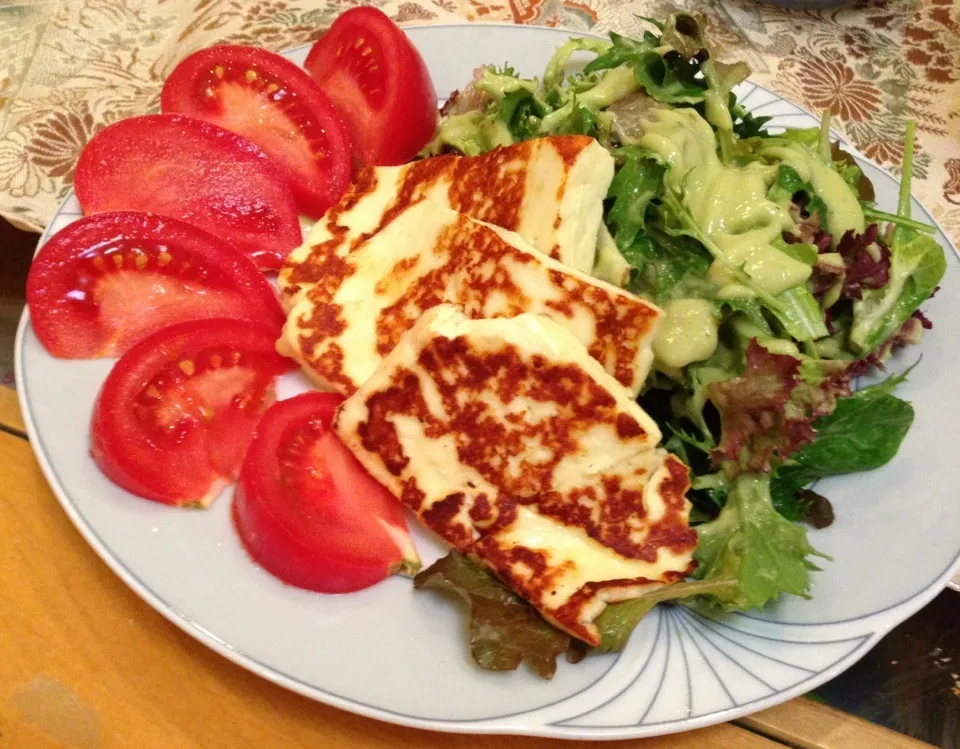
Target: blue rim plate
399	656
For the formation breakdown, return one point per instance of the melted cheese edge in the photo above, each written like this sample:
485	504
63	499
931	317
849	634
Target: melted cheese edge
398	257
574	558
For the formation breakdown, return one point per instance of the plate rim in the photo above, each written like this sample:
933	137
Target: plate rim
878	623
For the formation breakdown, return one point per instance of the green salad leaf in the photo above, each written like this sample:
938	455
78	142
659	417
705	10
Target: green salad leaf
917	265
618	620
635	184
504	629
750	541
802	251
622	51
664	65
675	267
799	313
863	432
807	136
669	78
848	168
751	309
745	124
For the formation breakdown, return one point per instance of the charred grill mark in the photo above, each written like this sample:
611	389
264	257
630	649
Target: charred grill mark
475	388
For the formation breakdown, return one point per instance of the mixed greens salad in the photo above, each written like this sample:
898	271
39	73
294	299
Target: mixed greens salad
782	284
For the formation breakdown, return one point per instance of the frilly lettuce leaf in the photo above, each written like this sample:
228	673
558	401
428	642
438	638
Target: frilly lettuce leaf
750	541
767	412
504	629
622	50
554	74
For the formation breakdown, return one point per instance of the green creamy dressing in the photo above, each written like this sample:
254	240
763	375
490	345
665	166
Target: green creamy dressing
687	334
844	211
500	85
473	133
728	202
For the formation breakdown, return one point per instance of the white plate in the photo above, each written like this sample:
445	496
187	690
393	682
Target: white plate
401	656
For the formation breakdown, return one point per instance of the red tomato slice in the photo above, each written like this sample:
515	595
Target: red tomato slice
276	105
308	512
196	172
175	415
379	83
106	281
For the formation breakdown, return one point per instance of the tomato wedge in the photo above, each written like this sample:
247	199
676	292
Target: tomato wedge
107	280
379	83
276	105
308	512
175	415
196	172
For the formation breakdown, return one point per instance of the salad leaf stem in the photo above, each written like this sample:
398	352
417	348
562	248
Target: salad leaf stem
872	214
823	143
906	172
906	177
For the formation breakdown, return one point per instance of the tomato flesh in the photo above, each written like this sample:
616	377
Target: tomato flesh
106	281
274	104
194	171
380	84
176	413
308	512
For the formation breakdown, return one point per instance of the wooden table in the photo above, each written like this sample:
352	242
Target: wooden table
86	664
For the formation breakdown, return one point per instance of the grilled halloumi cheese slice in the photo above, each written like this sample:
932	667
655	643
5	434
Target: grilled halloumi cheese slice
549	190
430	254
511	443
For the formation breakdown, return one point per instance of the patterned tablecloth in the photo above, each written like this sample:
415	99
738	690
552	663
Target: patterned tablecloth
69	67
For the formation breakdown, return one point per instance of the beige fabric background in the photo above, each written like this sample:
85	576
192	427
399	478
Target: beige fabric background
69	67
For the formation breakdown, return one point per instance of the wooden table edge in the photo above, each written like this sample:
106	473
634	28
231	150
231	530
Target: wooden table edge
11	420
809	724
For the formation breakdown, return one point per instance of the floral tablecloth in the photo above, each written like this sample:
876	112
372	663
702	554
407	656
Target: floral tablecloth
69	67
